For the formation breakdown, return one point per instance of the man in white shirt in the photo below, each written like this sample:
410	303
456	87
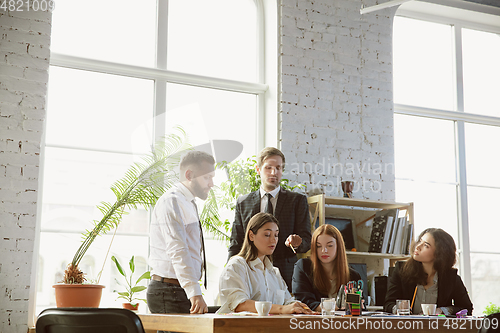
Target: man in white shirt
176	240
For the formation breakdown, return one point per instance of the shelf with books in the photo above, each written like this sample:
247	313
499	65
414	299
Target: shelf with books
355	219
360	213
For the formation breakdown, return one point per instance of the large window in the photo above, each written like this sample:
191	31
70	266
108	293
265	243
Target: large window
123	74
447	135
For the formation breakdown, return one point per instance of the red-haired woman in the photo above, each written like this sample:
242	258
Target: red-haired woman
326	270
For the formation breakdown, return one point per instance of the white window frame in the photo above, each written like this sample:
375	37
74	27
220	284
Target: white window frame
463	15
265	89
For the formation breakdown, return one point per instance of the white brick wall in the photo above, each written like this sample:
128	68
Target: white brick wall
336	95
24	62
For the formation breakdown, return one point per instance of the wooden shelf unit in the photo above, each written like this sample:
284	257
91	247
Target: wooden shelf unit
360	212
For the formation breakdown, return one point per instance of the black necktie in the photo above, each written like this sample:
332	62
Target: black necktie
202	246
269	207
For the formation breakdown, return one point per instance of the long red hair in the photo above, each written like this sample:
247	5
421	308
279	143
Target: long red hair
340	267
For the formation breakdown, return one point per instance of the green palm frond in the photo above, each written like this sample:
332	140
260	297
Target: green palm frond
142	185
210	218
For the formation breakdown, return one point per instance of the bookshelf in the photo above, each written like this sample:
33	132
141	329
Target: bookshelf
360	212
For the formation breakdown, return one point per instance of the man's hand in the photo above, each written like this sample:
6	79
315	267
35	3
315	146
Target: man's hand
294	240
198	305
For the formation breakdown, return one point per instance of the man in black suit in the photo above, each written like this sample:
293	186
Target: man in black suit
290	208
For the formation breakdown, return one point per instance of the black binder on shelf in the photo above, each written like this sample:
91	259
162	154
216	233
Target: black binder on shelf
379	226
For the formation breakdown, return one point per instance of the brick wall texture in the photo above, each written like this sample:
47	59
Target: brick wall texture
24	63
336	96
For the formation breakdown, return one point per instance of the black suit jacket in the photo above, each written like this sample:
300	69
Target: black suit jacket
451	291
303	287
292	213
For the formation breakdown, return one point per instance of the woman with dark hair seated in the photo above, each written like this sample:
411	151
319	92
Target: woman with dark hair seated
322	275
250	276
430	276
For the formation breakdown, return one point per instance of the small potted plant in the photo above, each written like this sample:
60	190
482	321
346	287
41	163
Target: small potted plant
142	185
130	288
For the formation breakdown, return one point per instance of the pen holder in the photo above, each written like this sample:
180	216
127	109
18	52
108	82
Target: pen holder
353	304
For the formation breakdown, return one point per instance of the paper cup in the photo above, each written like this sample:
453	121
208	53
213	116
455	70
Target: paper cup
429	309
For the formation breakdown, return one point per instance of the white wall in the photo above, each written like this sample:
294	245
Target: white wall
336	100
24	63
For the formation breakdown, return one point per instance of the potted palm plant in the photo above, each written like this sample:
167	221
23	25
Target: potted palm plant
142	185
130	288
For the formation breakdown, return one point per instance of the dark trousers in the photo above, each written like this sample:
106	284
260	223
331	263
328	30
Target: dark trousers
164	297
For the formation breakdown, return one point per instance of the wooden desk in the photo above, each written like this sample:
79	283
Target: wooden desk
211	323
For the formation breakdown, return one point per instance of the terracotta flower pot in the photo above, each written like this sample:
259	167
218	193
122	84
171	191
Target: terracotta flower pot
78	295
130	306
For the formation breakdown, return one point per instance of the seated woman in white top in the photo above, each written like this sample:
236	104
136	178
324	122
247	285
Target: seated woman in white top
250	276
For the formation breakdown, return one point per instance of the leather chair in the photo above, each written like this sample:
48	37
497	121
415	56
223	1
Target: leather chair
491	323
85	320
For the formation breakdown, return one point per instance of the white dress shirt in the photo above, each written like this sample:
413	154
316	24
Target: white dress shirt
257	280
175	239
263	198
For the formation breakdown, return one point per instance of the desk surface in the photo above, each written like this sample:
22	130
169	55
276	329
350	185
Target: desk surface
211	323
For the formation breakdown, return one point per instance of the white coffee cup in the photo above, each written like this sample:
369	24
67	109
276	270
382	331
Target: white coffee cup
263	307
429	309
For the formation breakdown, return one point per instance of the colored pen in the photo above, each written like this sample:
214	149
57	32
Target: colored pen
414	293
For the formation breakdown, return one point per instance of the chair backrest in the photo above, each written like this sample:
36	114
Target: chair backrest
490	324
85	320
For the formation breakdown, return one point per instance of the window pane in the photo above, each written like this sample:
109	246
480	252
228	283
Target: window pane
55	262
435	205
210	114
423	64
481	149
484	228
481	51
485	281
75	181
113	30
99	111
424	149
213	38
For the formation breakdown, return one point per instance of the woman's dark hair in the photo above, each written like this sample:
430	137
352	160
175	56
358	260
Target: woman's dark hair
340	267
444	257
249	251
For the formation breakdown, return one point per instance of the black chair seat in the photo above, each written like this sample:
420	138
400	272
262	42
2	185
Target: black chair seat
85	320
490	324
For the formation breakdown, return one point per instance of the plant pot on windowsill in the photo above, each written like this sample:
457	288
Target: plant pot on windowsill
142	185
131	288
78	295
131	306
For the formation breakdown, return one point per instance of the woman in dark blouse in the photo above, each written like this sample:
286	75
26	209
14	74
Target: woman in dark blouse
430	276
326	270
